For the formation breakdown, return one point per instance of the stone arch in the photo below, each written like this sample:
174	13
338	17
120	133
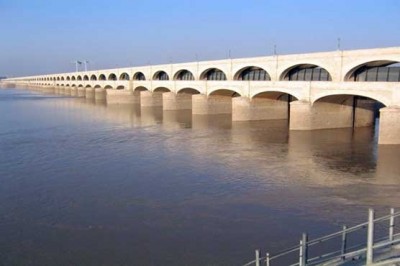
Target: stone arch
68	78
275	95
213	74
73	78
73	85
79	77
108	87
343	110
121	87
102	77
371	95
161	89
140	88
254	73
305	72
85	77
124	76
139	76
183	74
224	92
375	71
58	78
62	78
161	75
88	86
93	77
112	76
80	86
188	91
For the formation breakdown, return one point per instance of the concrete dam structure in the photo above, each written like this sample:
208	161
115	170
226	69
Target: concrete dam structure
324	90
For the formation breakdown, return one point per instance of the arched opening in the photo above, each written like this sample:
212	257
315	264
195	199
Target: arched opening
375	71
162	90
102	77
88	86
85	77
73	78
189	91
306	72
62	78
79	78
124	76
213	74
112	76
225	93
252	73
120	87
139	76
140	88
161	75
58	78
68	78
80	86
345	111
184	75
93	77
270	105
108	87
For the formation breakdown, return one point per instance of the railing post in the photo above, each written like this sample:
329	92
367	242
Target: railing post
257	257
391	225
344	242
303	250
370	237
267	259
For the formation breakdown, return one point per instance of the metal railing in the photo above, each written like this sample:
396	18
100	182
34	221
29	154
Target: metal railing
363	250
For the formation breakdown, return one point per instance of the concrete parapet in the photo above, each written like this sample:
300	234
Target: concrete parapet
203	105
173	101
121	97
245	109
389	125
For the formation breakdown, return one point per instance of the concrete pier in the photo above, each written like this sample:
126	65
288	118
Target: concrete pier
389	125
211	105
89	93
100	94
173	101
151	99
121	97
81	92
244	109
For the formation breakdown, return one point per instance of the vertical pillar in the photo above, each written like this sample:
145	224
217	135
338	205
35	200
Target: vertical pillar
149	99
120	97
245	109
99	94
203	105
81	92
300	115
389	125
89	93
74	92
173	101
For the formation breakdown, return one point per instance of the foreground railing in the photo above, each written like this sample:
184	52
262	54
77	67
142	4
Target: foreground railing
361	250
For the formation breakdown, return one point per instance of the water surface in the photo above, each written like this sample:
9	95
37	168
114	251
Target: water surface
83	183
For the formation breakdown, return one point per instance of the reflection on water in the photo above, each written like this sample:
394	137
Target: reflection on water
83	183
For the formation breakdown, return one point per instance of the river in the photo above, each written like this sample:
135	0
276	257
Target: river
83	183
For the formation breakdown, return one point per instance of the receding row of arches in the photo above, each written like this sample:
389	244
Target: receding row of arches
375	71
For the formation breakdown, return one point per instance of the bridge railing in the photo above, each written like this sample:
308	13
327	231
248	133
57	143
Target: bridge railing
299	255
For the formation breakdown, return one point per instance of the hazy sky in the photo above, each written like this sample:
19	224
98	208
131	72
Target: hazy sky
40	37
